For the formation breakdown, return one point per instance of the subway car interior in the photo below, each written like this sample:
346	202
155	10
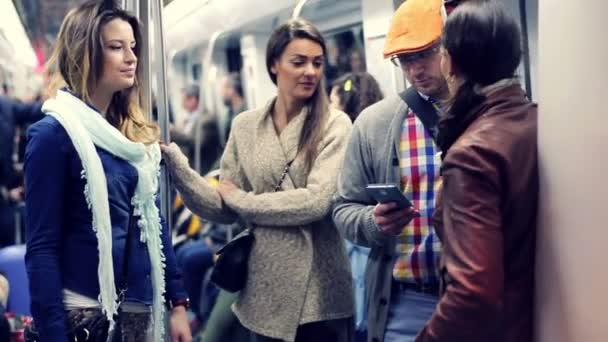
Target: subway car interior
202	63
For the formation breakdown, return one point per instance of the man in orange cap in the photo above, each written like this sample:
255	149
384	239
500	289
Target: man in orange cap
393	142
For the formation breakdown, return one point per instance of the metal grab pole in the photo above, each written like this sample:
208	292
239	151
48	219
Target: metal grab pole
526	47
149	13
156	17
298	9
162	102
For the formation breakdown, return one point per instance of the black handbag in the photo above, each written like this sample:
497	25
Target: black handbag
91	325
230	269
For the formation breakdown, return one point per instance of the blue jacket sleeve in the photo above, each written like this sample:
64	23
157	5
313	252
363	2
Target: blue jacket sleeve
173	276
26	113
46	165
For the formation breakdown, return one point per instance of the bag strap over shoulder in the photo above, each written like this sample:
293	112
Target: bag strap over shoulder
424	110
285	172
276	188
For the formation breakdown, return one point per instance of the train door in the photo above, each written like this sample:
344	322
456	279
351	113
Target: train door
571	277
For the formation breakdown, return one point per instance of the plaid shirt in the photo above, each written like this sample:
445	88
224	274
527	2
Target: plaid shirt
418	247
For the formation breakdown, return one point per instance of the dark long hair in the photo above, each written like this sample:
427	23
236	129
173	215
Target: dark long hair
78	54
357	91
312	132
484	43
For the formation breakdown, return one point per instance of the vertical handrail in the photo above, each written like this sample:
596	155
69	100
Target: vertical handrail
162	103
209	75
526	47
145	62
149	13
208	62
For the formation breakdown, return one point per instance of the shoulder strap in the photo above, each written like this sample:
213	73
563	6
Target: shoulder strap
424	110
285	172
278	187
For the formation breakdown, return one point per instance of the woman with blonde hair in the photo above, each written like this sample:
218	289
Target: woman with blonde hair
278	174
99	256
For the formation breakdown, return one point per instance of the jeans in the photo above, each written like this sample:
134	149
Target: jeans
358	256
223	326
407	314
194	259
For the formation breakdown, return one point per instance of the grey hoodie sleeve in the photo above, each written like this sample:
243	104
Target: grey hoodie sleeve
352	211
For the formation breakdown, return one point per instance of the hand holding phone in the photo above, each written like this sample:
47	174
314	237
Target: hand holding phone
386	193
393	211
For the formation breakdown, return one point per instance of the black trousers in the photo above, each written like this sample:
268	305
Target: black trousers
339	330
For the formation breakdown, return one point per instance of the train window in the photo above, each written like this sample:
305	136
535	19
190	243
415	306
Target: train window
345	52
234	60
197	71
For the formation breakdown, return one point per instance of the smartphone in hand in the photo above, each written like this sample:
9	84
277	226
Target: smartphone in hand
385	193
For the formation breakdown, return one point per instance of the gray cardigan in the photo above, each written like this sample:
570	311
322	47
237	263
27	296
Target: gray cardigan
372	157
298	269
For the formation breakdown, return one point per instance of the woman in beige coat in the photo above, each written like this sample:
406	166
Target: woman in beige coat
299	284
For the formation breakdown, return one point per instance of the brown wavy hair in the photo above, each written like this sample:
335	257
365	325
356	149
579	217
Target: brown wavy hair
318	104
78	54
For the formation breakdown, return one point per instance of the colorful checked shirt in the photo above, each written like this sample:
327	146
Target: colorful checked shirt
418	246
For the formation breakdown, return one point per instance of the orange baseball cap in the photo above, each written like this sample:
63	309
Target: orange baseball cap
416	26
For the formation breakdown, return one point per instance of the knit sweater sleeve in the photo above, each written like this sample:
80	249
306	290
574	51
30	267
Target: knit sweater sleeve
304	205
197	193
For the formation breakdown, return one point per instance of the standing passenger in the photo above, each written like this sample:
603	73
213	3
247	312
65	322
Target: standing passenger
298	282
487	213
96	243
352	93
392	142
232	96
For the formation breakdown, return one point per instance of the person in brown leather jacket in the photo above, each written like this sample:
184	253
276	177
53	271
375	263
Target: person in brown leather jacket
486	218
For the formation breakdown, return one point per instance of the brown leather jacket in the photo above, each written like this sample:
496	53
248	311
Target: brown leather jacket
486	220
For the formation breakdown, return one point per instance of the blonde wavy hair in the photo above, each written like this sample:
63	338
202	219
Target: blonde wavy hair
78	54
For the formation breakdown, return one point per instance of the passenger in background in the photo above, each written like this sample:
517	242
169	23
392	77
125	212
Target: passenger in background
393	143
198	130
356	60
486	218
192	108
15	116
232	96
95	237
298	281
352	93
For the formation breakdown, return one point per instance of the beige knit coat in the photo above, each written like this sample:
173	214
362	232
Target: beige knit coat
298	268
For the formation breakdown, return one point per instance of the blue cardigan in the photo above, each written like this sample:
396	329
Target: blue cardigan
61	245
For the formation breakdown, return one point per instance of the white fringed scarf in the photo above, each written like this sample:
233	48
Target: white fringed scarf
87	129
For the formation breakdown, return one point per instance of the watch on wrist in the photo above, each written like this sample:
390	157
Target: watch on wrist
185	302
